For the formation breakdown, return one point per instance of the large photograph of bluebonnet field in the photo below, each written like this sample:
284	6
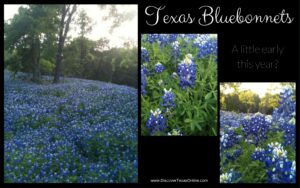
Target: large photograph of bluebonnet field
179	84
258	133
70	94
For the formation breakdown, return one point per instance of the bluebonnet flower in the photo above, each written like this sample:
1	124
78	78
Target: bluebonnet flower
289	133
168	99
175	132
284	115
278	168
187	72
161	39
229	122
156	122
286	110
160	82
159	68
234	155
189	37
256	127
174	75
151	38
145	55
229	138
200	40
259	154
230	177
176	49
230	119
226	177
173	37
144	70
207	45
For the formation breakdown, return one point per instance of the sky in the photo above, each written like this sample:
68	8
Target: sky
259	88
127	31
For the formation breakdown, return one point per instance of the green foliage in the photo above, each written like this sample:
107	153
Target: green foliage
268	103
247	101
196	108
117	65
25	34
44	121
126	69
252	172
8	135
12	61
230	101
31	46
85	23
58	93
47	67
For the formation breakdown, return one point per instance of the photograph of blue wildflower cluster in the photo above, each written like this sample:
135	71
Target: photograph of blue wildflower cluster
69	117
257	133
179	84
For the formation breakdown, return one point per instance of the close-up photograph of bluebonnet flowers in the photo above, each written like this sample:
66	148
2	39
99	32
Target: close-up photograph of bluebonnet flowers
179	84
258	133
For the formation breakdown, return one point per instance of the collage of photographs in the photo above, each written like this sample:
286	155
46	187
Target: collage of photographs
85	89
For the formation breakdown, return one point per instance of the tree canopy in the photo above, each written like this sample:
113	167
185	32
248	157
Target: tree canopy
36	41
247	101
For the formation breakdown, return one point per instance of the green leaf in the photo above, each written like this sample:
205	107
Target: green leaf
214	131
208	96
187	120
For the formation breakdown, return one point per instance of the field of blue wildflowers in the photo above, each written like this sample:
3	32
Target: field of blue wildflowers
78	131
259	148
179	84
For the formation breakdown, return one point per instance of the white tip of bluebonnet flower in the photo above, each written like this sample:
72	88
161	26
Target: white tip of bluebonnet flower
189	56
156	112
166	91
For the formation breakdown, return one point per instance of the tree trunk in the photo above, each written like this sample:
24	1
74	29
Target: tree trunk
65	21
60	45
58	61
36	58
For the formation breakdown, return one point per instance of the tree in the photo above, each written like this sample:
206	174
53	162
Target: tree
126	69
102	44
66	13
249	102
12	61
24	36
232	102
268	103
230	85
115	16
72	64
85	26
